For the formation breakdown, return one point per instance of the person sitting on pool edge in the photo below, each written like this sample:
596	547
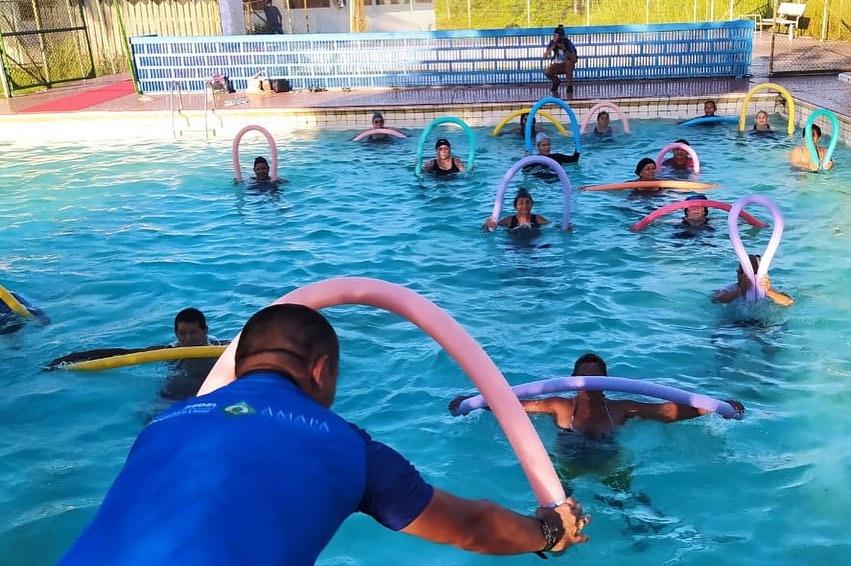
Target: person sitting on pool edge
800	156
11	322
543	143
739	289
761	125
602	127
522	218
261	471
593	416
680	161
443	164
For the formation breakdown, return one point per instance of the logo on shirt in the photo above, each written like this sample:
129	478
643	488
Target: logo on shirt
241	408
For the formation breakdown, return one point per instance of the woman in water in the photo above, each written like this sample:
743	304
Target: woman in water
761	125
602	128
740	288
261	176
443	164
522	218
695	219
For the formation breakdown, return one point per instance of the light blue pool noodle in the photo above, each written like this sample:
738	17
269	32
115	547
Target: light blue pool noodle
606	383
834	135
471	137
567	189
574	123
710	120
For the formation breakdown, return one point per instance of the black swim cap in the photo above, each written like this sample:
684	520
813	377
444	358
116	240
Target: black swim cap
442	141
697	197
641	164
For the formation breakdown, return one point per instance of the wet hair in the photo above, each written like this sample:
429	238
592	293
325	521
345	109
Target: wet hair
523	193
378	116
442	141
642	164
816	129
755	261
602	113
191	316
559	30
296	329
682	141
260	159
696	197
590	358
712	102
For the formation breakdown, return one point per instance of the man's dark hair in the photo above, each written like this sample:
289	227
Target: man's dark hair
190	316
590	358
296	329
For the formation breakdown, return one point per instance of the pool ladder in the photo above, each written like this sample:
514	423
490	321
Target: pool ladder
178	116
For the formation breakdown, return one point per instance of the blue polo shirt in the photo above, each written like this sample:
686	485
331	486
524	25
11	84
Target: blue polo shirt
254	472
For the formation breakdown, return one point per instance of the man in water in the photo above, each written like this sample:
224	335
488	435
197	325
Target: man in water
261	471
11	322
186	376
800	156
590	414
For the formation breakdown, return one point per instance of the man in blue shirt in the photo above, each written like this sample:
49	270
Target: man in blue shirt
261	471
563	54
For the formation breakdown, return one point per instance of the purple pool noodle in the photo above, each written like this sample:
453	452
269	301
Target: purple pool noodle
603	383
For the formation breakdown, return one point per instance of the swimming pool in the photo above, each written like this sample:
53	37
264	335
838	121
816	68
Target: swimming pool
113	241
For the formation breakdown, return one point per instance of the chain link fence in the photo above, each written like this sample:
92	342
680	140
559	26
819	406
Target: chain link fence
43	43
495	14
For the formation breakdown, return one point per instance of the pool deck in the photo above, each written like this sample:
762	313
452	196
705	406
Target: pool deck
819	91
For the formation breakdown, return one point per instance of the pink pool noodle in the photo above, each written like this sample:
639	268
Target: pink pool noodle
667	209
273	150
687	148
458	344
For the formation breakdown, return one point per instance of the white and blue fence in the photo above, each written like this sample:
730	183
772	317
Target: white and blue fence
469	57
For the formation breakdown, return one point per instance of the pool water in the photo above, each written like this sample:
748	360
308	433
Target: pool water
111	241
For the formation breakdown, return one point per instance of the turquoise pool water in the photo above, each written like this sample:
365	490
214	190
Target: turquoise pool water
113	240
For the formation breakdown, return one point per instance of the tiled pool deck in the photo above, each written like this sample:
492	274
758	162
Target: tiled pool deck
412	107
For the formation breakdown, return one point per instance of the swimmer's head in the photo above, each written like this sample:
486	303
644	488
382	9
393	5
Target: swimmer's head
261	169
190	328
442	142
682	141
709	108
295	340
603	118
681	155
542	141
642	169
741	278
589	364
816	133
521	196
696	212
378	120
